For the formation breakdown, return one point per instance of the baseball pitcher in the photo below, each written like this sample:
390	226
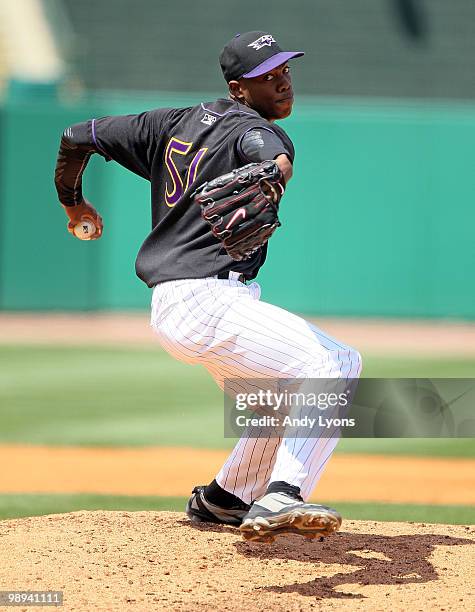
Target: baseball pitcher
218	174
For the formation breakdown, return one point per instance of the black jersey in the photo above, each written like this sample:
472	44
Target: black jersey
178	149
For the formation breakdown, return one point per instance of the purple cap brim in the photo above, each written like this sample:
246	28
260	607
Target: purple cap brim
271	63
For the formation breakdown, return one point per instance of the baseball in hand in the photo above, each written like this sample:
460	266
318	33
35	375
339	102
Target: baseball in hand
84	230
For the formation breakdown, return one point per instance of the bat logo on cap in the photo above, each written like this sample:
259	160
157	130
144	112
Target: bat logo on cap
267	39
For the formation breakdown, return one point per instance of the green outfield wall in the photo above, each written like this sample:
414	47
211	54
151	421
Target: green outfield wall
378	220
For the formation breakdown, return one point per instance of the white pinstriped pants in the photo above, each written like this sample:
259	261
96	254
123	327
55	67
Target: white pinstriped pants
223	325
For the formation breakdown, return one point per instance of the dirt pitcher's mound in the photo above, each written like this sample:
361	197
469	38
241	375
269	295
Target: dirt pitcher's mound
157	560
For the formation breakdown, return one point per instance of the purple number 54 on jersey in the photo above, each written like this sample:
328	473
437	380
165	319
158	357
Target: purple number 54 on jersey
178	185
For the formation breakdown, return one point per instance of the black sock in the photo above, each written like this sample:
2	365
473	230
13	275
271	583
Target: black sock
218	496
279	486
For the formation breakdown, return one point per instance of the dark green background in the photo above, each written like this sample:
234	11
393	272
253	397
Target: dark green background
377	221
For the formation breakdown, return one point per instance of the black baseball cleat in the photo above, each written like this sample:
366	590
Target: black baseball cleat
200	510
282	513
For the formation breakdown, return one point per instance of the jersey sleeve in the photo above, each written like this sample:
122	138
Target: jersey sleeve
130	140
259	143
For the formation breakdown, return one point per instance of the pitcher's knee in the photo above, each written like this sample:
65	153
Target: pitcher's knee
356	362
344	362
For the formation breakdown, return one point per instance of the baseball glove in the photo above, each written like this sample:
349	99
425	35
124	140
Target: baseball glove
242	207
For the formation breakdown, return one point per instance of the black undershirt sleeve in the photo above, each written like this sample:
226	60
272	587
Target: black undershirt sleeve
259	144
74	152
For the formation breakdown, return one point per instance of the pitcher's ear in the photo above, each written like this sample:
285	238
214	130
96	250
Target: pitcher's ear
235	91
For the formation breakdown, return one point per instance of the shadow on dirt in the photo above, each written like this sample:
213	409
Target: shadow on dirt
377	559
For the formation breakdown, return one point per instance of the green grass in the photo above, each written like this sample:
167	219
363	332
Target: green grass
450	515
419	367
32	504
104	396
14	506
418	447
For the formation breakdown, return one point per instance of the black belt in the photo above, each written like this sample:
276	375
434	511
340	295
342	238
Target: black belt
227	275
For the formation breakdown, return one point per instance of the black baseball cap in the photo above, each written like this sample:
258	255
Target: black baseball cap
251	54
